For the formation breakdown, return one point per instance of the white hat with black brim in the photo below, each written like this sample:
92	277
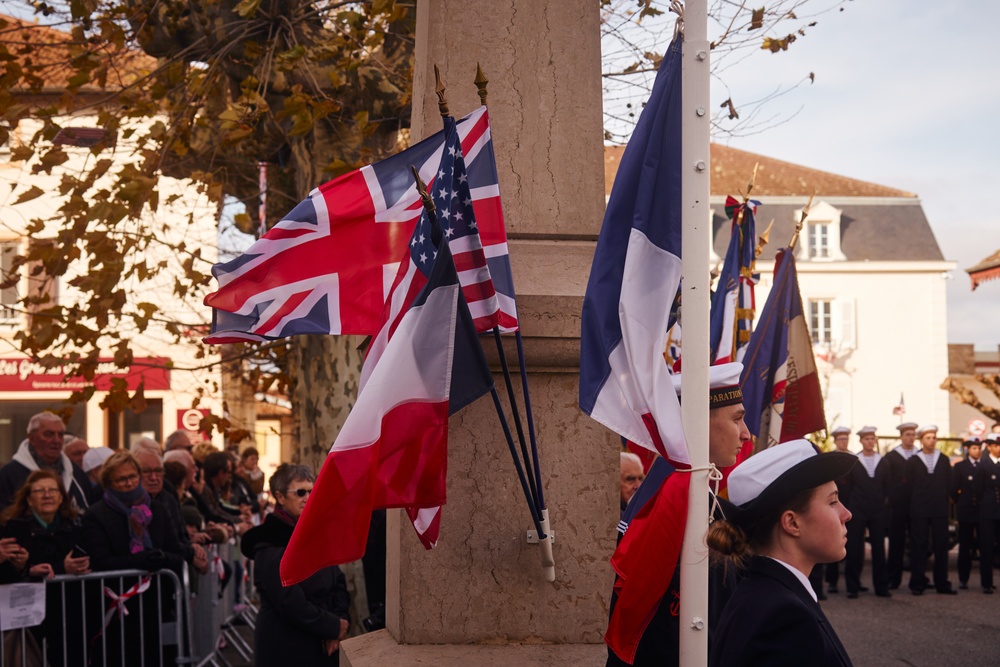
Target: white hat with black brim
764	482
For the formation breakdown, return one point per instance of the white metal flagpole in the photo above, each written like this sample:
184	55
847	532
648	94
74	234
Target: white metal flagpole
695	128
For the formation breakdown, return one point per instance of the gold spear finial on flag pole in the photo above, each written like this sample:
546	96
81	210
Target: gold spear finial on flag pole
802	220
763	239
481	83
439	88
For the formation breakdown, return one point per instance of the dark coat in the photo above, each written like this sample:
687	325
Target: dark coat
929	493
106	538
51	545
987	489
293	620
899	484
772	620
963	491
867	497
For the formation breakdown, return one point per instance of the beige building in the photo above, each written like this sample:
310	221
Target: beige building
964	362
872	279
172	375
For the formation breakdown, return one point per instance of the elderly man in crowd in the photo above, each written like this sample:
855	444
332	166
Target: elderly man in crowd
177	440
43	448
632	476
76	448
151	473
218	469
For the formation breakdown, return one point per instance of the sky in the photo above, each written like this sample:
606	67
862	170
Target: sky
906	94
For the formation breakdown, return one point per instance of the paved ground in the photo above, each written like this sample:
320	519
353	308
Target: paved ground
926	631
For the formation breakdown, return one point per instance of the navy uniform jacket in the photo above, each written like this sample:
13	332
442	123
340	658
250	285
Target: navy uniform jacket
899	487
987	489
866	496
963	477
772	620
928	492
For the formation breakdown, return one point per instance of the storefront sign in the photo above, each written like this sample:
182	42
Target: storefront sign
189	421
20	374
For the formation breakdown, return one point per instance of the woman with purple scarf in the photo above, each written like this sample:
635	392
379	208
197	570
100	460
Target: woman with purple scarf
127	530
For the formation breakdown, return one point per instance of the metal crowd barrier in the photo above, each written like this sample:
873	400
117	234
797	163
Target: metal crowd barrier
96	619
91	624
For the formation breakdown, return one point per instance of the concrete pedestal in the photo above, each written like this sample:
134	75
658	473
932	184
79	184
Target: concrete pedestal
480	597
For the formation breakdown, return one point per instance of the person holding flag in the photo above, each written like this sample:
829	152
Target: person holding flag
640	554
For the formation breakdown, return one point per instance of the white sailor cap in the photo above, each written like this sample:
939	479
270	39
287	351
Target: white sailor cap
865	430
723	384
926	428
840	430
907	426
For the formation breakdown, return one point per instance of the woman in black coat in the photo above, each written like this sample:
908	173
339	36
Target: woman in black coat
299	625
127	530
43	520
786	513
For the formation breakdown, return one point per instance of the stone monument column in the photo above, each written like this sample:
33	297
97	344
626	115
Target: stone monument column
480	597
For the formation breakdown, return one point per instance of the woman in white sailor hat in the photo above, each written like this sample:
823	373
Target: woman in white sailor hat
785	515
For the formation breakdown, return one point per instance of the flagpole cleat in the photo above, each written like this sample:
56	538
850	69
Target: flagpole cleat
548	560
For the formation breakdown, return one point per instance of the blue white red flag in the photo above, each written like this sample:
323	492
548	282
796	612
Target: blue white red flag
393	449
327	267
624	380
781	390
733	303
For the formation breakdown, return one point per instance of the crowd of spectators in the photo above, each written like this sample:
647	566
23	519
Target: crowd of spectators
70	509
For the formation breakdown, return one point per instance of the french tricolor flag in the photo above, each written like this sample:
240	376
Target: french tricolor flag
393	449
624	381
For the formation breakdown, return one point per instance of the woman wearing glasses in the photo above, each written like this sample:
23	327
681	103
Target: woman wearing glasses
299	625
127	530
43	529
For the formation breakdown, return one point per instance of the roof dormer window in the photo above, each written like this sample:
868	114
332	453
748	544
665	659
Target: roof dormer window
820	236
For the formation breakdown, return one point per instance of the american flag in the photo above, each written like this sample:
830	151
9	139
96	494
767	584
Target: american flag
327	267
453	201
900	409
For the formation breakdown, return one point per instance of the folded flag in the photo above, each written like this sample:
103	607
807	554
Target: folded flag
327	267
781	390
392	449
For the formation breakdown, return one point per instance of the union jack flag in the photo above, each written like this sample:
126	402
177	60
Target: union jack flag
327	267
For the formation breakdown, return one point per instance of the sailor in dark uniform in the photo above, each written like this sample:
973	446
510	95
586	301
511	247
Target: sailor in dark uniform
841	440
987	489
899	501
928	475
660	640
788	517
963	476
867	494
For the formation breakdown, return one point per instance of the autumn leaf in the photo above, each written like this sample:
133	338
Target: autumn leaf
757	19
31	193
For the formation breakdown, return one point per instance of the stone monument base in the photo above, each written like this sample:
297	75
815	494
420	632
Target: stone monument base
378	649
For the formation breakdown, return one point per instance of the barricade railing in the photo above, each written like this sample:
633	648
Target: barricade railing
193	614
124	617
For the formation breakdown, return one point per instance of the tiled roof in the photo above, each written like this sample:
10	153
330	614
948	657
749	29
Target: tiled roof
868	231
732	168
987	269
54	50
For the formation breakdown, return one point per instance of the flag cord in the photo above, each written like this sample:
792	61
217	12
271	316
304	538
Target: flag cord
517	464
714	479
530	475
